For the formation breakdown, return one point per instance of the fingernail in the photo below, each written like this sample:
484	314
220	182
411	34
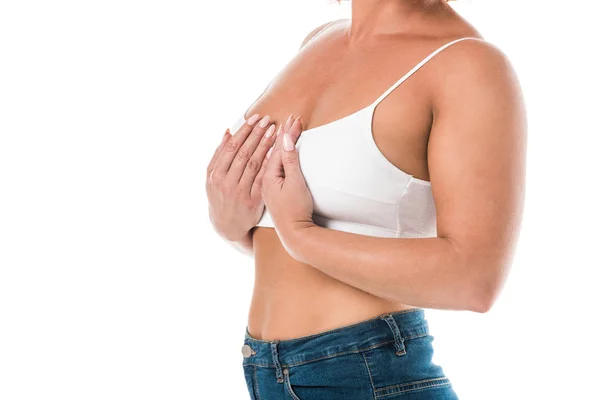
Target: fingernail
226	133
298	119
269	153
264	121
289	119
270	131
252	119
287	142
279	128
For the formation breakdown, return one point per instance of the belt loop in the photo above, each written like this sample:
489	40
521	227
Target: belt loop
398	339
278	372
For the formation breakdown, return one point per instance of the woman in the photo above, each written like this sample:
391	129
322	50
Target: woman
414	201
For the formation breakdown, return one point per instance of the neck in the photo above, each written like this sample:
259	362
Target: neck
371	18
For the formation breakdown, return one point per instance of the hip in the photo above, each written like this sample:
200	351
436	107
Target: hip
385	357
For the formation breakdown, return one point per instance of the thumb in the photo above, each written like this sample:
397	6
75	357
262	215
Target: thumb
289	158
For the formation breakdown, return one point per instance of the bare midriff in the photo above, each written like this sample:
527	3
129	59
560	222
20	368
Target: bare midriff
292	299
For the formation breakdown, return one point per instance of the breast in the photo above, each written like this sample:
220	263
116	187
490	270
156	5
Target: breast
356	189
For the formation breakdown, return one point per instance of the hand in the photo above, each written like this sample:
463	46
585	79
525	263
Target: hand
233	178
284	188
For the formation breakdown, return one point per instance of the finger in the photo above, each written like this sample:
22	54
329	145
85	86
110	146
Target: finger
275	165
282	128
288	123
246	150
289	156
217	152
276	139
253	166
255	191
232	146
274	147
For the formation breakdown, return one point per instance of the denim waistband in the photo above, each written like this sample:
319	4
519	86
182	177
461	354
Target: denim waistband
387	328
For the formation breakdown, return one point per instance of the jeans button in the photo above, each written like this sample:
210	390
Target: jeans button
247	351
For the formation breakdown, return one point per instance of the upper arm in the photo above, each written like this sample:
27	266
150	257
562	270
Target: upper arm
314	32
476	160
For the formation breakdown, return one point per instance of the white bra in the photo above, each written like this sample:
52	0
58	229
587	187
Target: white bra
355	188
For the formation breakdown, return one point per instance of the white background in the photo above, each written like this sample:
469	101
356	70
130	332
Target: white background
113	284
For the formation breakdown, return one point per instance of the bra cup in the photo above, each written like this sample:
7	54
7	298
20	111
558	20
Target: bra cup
355	188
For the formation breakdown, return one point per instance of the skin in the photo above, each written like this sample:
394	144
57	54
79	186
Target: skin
233	179
232	176
459	122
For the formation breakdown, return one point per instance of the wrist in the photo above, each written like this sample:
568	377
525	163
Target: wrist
227	234
296	239
235	237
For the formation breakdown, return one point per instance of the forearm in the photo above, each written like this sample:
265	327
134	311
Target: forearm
422	272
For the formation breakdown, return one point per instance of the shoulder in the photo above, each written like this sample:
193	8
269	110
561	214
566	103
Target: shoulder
477	55
317	30
475	67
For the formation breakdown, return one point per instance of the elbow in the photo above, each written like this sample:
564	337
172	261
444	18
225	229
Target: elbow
483	275
482	304
484	292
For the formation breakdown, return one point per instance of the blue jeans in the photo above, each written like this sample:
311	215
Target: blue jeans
385	357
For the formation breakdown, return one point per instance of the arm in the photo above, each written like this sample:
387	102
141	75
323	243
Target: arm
245	244
476	157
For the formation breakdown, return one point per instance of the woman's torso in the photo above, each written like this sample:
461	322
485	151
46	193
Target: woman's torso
324	83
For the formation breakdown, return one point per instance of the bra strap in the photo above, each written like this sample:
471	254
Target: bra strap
416	67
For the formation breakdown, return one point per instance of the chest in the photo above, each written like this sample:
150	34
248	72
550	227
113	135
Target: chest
358	155
348	177
325	83
399	125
